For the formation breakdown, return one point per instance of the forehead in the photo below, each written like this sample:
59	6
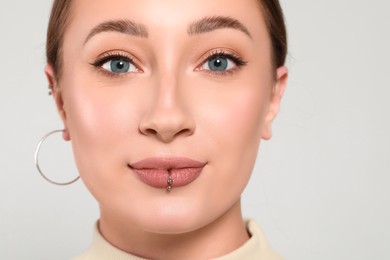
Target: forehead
167	15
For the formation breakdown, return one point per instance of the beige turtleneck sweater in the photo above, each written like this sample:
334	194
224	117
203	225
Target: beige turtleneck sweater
255	248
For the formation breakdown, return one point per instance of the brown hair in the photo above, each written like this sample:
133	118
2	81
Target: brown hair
59	19
61	10
276	27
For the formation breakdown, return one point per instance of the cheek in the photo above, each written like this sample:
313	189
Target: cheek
101	121
93	120
239	121
235	114
232	135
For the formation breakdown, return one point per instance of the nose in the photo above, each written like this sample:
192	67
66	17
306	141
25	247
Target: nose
168	117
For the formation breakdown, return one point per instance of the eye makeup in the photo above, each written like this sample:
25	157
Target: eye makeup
222	55
115	56
223	63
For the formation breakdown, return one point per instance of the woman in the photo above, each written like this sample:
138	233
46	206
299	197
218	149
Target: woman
165	103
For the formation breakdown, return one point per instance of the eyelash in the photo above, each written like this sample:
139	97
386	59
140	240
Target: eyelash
106	57
237	60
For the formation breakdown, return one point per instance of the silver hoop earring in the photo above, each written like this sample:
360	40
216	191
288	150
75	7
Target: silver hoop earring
37	161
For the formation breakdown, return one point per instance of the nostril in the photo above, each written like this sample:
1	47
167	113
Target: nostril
150	131
167	135
166	127
185	132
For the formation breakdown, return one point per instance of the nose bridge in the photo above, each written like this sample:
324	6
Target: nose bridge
166	75
168	116
167	109
167	92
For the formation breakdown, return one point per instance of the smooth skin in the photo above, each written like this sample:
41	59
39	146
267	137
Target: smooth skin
169	103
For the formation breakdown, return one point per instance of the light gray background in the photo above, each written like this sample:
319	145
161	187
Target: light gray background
321	187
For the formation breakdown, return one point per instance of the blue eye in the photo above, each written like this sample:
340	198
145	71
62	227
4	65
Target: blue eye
119	65
218	63
222	62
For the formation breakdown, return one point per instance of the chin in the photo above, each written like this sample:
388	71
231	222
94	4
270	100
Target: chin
182	210
175	217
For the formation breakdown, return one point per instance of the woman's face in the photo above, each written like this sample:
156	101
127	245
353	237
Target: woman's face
148	87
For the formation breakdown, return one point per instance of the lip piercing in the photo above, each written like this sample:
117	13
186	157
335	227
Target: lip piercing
169	182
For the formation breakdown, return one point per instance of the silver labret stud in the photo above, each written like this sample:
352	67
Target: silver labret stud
170	182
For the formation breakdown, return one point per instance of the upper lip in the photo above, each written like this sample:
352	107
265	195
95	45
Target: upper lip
166	163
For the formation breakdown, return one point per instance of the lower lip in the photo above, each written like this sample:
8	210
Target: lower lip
158	178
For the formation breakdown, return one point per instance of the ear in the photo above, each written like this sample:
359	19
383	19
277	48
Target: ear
274	105
57	95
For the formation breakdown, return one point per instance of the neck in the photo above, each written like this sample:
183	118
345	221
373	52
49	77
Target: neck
203	243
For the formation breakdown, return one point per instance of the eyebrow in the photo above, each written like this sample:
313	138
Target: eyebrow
121	26
213	23
204	25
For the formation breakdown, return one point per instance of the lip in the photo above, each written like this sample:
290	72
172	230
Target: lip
156	170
